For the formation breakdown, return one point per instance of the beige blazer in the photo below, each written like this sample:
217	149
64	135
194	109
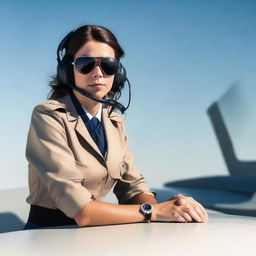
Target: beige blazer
66	168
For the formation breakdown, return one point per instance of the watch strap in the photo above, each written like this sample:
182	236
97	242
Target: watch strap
147	217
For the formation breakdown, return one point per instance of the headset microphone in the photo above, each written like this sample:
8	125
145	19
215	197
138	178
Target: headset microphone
110	102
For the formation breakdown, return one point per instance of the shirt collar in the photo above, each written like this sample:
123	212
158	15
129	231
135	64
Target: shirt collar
98	115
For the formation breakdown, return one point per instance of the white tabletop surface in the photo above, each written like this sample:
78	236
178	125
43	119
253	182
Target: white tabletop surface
222	235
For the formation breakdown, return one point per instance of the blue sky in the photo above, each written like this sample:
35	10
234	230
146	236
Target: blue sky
181	56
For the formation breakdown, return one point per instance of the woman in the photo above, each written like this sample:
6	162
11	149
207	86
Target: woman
77	150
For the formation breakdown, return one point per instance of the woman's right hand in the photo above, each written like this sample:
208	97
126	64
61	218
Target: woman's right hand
180	209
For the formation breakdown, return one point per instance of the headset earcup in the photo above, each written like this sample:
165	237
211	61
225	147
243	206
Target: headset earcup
65	71
119	79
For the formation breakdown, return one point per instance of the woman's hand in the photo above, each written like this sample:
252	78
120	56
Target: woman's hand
179	208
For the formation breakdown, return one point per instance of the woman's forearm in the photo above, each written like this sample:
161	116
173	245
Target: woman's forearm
180	208
102	213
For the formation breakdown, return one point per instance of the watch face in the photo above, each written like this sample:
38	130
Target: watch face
147	208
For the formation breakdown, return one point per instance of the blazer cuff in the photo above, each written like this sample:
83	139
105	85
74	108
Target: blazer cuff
73	202
153	193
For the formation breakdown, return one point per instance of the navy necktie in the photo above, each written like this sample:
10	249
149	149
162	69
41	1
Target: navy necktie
94	126
97	132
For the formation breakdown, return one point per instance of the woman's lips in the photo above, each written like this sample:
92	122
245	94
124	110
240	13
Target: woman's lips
96	85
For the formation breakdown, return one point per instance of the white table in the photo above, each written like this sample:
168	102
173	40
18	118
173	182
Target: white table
222	235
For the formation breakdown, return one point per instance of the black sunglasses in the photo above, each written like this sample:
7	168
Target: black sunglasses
86	64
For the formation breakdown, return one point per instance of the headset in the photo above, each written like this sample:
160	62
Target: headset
66	75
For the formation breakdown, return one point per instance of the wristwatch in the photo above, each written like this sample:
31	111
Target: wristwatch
146	210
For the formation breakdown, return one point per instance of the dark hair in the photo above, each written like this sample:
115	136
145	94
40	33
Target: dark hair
81	36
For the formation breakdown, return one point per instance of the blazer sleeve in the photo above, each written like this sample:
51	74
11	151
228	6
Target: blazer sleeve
132	181
47	150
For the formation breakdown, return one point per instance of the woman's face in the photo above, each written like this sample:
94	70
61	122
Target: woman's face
97	83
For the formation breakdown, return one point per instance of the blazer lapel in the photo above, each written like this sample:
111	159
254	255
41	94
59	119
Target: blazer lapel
82	130
80	127
114	146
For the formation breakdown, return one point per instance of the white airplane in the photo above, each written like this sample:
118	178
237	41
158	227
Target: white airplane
232	194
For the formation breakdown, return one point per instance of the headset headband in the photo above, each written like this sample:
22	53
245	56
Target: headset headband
62	45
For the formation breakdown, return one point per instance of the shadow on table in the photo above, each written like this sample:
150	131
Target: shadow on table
10	222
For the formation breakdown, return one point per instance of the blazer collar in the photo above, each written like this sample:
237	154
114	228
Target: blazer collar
67	104
70	109
114	146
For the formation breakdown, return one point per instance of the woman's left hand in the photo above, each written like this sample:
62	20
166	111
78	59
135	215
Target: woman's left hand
191	206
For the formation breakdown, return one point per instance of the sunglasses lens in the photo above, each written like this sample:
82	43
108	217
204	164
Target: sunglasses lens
109	65
84	65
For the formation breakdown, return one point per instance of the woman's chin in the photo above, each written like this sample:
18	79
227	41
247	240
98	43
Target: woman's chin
96	92
98	95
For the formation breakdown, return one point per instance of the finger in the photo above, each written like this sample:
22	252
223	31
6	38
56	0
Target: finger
181	202
181	219
186	216
204	212
196	202
200	209
177	196
193	214
195	208
200	212
177	217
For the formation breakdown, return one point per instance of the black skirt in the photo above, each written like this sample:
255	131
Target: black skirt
44	217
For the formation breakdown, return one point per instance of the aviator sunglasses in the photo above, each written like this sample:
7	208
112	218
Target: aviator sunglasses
85	64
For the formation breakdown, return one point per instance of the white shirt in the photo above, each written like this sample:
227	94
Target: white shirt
98	115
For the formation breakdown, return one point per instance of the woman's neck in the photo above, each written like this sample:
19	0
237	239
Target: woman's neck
91	106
